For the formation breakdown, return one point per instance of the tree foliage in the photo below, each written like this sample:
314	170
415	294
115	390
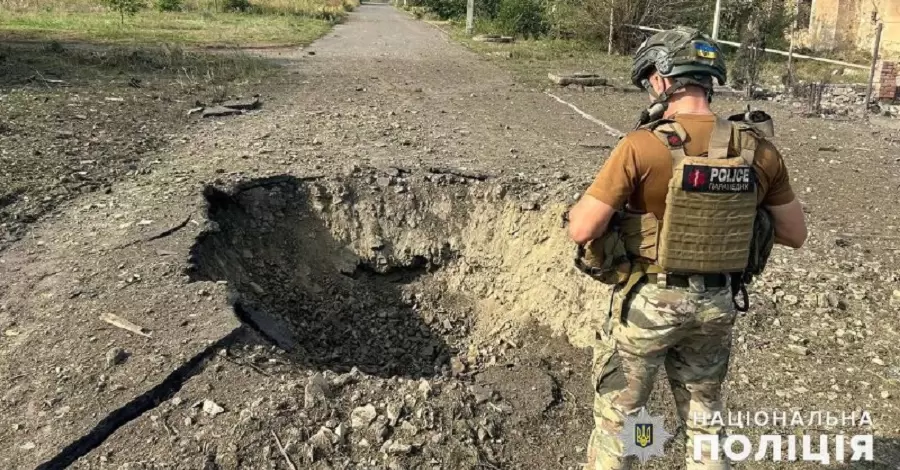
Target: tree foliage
169	5
126	7
590	19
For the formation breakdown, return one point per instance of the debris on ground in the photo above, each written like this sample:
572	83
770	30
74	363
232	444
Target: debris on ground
493	38
580	78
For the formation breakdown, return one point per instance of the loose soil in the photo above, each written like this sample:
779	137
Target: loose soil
372	272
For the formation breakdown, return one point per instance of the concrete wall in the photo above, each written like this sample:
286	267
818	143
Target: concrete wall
889	13
847	24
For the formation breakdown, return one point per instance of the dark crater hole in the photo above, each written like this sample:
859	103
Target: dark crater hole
340	273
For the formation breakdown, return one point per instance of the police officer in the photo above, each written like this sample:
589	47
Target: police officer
682	321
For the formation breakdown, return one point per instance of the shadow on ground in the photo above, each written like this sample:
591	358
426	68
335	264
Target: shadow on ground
291	281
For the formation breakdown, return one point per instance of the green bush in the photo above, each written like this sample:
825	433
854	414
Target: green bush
169	5
237	5
446	9
525	17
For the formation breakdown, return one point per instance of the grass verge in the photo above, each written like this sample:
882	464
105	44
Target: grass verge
199	23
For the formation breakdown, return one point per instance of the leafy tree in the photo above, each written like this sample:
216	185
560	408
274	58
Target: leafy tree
129	7
169	5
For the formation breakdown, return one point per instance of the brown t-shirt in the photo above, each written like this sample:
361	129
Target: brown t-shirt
639	168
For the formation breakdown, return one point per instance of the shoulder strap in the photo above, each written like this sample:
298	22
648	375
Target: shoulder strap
672	135
720	139
746	138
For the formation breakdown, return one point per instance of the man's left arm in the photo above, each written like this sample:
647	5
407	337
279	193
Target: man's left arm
610	190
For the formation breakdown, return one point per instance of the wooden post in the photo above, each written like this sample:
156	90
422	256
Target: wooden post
715	31
872	71
609	48
790	64
470	16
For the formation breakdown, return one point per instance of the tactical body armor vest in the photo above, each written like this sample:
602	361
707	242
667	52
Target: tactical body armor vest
711	205
711	224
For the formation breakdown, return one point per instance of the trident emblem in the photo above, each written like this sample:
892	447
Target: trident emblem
643	435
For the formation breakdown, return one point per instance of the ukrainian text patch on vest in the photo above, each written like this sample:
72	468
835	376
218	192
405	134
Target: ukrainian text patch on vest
711	179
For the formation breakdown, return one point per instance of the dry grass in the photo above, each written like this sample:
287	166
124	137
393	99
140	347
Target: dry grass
200	23
302	7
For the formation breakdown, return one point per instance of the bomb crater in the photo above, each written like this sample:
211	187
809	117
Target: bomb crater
393	274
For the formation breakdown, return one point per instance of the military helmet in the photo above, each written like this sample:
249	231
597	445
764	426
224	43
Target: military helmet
679	52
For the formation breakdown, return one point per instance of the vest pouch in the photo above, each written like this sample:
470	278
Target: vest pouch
641	233
605	258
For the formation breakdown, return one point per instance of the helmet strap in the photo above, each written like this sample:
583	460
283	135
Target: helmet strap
660	102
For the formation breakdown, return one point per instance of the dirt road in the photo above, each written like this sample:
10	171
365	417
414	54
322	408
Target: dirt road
388	112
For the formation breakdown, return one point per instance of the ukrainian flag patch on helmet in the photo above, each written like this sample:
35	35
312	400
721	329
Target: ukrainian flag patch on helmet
704	50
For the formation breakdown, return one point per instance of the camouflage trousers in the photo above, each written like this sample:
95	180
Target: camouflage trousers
689	331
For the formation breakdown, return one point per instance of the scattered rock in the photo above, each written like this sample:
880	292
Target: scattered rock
409	429
379	429
362	416
457	366
116	356
797	349
212	408
425	388
345	379
895	299
396	448
394	411
322	443
317	391
340	433
482	394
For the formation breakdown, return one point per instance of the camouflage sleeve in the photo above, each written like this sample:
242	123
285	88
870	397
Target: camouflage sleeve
775	183
618	176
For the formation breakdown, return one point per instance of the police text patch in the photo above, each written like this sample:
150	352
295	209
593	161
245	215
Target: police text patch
711	179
